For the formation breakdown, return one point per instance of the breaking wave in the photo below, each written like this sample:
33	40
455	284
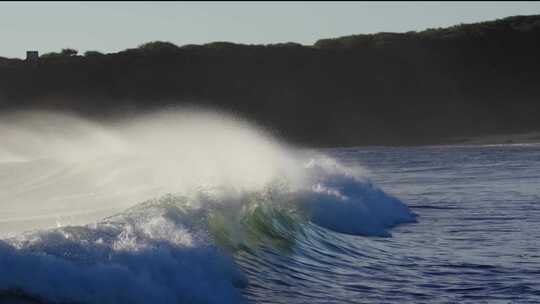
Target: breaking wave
214	189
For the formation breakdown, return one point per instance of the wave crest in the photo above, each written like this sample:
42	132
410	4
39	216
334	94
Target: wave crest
233	189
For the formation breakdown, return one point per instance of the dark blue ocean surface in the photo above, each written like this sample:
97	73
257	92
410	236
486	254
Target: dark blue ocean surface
476	239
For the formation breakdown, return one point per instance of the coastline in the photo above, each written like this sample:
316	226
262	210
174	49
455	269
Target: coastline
527	138
499	139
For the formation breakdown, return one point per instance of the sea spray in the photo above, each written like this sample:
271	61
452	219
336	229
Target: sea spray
211	185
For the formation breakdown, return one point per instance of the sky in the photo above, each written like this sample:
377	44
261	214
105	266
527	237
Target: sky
114	26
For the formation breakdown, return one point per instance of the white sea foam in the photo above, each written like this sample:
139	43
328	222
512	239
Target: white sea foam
160	251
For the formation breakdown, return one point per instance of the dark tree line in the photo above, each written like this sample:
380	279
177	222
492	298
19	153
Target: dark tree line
386	88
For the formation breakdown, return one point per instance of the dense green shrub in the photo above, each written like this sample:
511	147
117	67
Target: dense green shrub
93	54
158	46
69	52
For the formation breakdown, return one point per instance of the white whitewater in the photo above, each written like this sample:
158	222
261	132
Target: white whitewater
55	168
89	178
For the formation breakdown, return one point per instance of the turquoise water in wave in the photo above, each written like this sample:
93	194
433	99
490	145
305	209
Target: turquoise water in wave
477	237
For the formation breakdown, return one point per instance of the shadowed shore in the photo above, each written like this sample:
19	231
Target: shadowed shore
436	86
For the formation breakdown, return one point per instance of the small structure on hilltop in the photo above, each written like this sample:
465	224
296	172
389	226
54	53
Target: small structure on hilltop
32	56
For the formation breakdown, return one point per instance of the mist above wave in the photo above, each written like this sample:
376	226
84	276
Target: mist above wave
54	165
57	164
210	182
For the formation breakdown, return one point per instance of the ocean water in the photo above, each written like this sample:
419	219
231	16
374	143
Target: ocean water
147	212
477	237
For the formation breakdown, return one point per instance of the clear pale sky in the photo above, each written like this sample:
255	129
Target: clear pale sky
110	27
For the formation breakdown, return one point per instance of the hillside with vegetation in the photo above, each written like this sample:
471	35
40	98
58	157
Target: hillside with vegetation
423	87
